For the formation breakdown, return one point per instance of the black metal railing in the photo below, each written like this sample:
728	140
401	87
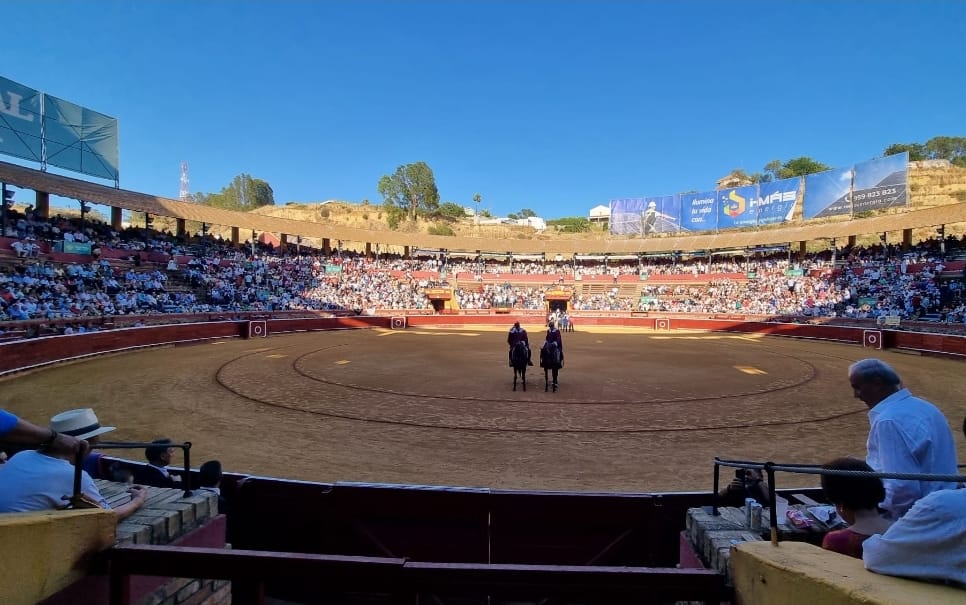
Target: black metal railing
770	468
185	447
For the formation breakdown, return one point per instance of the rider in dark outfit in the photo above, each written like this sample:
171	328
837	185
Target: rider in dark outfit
553	335
518	334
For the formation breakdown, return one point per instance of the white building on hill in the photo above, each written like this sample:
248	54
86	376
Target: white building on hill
599	214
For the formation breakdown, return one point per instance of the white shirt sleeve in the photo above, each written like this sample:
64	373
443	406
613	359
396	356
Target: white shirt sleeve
929	542
895	454
89	489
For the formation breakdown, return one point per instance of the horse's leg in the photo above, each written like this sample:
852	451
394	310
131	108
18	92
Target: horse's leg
514	379
546	380
555	370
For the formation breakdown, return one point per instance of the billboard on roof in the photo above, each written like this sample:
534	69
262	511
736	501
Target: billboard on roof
828	193
881	183
776	200
698	211
20	121
735	207
42	128
80	139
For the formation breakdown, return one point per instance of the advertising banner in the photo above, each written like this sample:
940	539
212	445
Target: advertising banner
881	183
827	193
661	214
776	200
20	121
80	139
735	207
698	211
625	216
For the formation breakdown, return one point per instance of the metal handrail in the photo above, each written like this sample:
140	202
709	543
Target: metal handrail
130	445
770	468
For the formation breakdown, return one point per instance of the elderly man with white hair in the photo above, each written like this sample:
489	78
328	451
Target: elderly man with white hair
906	435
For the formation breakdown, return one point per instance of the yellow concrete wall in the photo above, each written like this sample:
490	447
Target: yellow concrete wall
44	552
797	573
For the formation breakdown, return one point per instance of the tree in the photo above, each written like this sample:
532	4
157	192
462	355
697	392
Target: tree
917	151
527	213
947	148
412	187
795	167
451	211
243	193
773	168
936	148
574	224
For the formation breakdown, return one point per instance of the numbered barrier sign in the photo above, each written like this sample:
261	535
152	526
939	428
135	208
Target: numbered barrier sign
398	323
662	324
872	339
257	329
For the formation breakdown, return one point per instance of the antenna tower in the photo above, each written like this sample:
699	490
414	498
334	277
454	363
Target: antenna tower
183	194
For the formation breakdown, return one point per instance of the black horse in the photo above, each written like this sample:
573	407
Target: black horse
551	360
519	358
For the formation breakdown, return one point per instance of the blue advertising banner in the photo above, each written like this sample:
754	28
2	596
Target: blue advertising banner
661	214
881	183
776	200
827	193
80	139
20	121
698	211
625	216
735	207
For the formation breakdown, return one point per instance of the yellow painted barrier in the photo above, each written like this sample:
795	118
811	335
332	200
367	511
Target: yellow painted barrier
44	552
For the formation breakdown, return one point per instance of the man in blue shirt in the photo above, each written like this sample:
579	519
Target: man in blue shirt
16	431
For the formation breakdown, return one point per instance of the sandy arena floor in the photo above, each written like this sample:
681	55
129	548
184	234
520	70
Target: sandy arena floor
636	410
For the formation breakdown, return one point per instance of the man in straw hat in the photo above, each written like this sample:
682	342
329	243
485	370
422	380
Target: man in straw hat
43	479
18	432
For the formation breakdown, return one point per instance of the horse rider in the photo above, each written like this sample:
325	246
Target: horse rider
518	334
553	335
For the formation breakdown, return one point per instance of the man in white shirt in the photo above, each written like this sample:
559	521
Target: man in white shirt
906	435
928	543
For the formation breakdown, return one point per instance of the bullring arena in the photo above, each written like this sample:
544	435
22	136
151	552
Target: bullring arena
637	410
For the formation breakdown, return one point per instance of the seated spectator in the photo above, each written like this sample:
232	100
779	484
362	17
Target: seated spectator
856	500
156	473
43	479
927	543
209	476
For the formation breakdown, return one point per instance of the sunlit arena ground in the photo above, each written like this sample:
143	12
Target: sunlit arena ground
637	410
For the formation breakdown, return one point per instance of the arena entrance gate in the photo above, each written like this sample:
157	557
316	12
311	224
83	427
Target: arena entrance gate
557	300
440	298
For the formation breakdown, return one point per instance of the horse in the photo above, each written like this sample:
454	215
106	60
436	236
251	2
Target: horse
519	357
551	361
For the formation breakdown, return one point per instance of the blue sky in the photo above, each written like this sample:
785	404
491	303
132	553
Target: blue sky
556	106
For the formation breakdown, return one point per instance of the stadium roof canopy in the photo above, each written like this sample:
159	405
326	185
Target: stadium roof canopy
64	186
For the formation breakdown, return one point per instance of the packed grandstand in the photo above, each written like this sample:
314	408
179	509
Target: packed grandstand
137	272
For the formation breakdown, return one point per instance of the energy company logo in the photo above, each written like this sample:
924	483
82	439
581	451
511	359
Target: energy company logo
735	205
